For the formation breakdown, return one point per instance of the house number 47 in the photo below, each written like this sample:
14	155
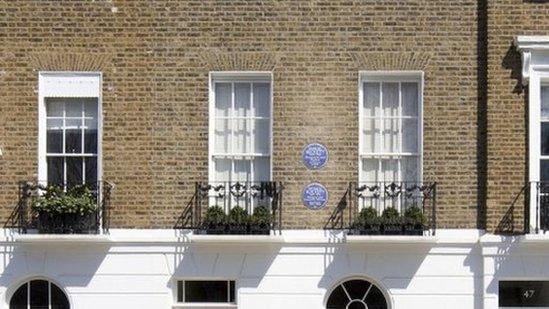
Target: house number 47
529	293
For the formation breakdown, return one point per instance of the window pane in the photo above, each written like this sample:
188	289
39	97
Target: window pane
390	135
389	170
55	170
232	292
73	136
262	138
262	99
90	136
376	299
370	168
74	171
58	298
370	135
409	135
179	291
262	170
409	168
544	101
242	170
73	107
356	288
371	99
545	138
54	136
222	169
19	298
242	99
338	299
544	170
221	138
91	170
90	107
409	99
242	136
206	291
39	294
222	99
390	99
54	107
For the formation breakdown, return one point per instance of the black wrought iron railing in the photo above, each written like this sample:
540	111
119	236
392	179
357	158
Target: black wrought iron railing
538	196
392	208
60	210
234	208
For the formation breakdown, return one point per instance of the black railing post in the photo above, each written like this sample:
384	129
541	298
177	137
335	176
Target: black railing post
538	201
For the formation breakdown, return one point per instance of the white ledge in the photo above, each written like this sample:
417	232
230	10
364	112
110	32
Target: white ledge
62	239
392	239
221	239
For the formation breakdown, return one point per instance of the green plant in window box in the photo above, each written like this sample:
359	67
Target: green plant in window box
392	222
215	220
367	222
66	212
238	221
414	221
260	221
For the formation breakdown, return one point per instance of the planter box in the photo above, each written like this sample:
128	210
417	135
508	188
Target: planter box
366	229
413	229
216	229
240	229
392	229
261	229
68	223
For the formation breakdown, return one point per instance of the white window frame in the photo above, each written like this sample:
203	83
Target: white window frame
535	73
228	305
390	76
236	76
67	84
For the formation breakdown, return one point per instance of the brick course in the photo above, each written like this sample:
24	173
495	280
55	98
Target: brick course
156	55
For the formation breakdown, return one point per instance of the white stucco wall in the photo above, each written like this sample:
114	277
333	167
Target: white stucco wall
137	269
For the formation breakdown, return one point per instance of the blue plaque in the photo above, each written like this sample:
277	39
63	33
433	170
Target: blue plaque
314	196
315	156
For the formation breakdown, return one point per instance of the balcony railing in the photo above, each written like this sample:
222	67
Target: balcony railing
59	210
539	191
234	208
392	208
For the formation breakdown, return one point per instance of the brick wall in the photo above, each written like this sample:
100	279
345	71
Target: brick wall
508	109
156	55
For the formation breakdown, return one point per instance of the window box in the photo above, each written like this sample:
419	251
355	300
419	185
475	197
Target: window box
393	228
260	229
216	229
237	229
69	223
413	229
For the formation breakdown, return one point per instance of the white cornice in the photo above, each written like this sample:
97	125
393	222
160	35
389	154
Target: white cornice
532	42
526	45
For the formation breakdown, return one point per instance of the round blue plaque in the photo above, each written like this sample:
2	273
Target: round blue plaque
314	196
315	156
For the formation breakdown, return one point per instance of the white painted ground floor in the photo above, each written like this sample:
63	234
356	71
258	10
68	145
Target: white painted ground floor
299	269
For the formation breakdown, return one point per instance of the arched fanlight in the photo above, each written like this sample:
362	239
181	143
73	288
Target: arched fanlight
39	294
356	294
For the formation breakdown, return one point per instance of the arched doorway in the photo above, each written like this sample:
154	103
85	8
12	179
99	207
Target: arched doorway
39	293
356	294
